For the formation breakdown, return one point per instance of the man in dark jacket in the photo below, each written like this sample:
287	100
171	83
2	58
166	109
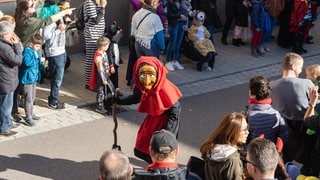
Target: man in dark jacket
163	151
10	59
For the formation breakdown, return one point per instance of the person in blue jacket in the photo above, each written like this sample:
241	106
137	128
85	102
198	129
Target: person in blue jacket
29	76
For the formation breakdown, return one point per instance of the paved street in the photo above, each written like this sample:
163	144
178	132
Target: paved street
72	152
72	139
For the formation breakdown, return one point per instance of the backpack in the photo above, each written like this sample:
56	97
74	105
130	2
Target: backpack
80	21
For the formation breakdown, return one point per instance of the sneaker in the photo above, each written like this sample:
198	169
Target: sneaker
101	110
57	105
261	51
8	133
34	117
267	49
209	69
29	122
14	126
169	66
178	65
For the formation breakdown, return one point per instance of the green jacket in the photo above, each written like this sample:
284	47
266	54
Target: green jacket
224	163
33	26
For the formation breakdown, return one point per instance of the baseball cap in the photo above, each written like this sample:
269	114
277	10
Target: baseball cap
163	141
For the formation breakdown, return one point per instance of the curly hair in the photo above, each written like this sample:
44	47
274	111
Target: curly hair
259	86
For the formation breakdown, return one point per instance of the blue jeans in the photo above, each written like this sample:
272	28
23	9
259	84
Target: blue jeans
142	51
176	36
56	66
6	103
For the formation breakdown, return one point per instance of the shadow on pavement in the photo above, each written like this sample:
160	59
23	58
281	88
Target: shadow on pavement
49	168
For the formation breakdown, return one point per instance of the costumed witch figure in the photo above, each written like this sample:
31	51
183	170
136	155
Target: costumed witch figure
158	97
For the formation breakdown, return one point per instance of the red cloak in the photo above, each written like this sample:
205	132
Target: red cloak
163	95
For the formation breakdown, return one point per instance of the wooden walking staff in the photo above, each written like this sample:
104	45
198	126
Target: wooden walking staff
115	94
114	116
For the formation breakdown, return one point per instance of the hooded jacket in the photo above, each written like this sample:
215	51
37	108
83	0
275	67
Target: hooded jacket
223	163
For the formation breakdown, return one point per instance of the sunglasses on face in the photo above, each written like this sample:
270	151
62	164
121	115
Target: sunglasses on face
245	161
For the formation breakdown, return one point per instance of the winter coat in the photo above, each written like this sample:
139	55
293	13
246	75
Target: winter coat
10	59
30	68
223	163
241	14
173	13
257	15
33	26
263	119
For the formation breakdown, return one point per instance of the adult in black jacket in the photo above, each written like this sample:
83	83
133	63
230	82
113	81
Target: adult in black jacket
230	15
10	59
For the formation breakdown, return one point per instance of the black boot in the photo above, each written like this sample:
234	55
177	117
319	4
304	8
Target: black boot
235	42
241	42
212	60
224	41
199	66
297	49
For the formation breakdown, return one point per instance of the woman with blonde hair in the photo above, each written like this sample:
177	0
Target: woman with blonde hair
221	150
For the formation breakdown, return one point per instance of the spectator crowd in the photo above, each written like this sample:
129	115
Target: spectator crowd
281	114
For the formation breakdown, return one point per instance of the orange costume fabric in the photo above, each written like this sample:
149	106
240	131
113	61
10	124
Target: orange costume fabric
163	95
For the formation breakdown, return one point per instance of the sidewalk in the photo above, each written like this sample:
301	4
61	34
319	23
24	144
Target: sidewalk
234	65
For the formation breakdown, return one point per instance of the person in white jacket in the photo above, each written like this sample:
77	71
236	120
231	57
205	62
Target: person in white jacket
54	36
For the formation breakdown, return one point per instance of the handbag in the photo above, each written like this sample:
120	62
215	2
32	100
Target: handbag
217	23
132	39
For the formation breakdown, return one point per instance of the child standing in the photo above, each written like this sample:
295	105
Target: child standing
29	76
257	27
100	72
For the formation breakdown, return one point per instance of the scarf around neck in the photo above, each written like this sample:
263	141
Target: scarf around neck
264	101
